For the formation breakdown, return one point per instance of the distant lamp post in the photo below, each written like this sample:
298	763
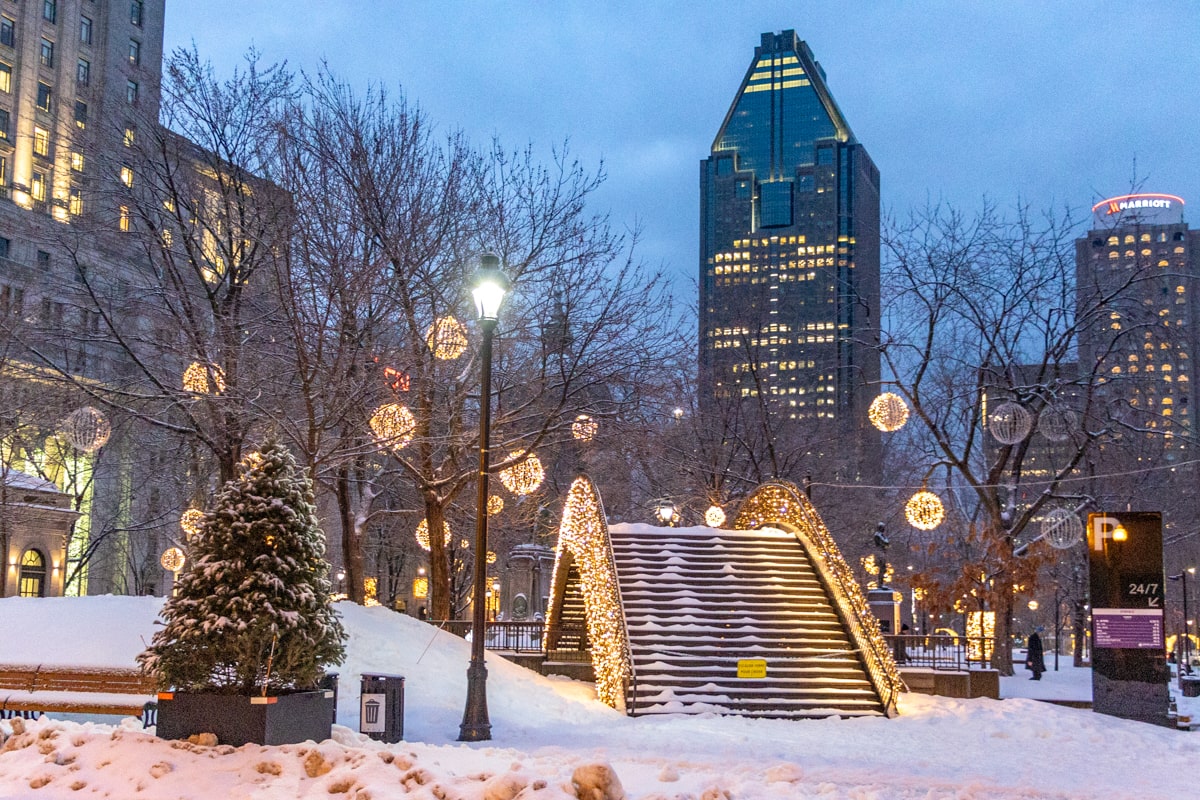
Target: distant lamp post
667	513
1186	650
490	286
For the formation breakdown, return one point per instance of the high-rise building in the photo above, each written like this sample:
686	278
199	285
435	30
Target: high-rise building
789	265
1138	308
78	80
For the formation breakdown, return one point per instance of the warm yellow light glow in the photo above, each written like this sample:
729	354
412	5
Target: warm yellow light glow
495	505
201	379
888	412
190	522
981	627
714	517
423	533
172	559
491	557
584	542
447	338
924	510
584	428
784	506
420	587
370	591
1033	605
393	425
1119	534
525	476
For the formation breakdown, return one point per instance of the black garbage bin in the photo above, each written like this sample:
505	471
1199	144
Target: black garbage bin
381	710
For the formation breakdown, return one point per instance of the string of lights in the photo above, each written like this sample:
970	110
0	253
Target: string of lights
583	539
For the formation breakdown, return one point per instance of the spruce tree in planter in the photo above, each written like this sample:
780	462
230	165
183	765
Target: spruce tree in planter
250	629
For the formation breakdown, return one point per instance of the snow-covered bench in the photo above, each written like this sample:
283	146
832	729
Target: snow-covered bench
25	690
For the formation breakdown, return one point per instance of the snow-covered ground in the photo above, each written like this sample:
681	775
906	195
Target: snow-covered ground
545	731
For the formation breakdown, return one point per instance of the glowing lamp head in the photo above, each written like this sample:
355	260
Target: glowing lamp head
666	512
1120	534
491	284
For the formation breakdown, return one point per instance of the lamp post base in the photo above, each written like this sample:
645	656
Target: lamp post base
475	725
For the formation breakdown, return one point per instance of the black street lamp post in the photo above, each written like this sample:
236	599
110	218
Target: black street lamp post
1185	652
489	289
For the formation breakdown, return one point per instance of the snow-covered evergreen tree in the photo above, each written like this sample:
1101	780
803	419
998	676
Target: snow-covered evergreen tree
252	608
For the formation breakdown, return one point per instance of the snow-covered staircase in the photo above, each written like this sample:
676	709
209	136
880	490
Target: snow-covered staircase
697	601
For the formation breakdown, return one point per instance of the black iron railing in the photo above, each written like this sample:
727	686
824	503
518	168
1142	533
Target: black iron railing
942	651
520	637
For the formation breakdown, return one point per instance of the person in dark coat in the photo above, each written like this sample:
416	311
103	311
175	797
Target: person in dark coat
1034	658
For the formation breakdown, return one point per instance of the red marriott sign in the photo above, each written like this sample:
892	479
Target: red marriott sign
1137	202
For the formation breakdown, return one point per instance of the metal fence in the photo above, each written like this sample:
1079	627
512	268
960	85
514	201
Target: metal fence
942	651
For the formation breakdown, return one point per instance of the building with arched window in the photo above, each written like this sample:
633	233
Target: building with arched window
35	518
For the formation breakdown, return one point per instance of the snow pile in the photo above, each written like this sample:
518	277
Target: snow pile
552	741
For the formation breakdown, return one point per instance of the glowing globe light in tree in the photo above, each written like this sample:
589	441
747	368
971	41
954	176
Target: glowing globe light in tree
584	428
190	522
491	557
423	534
1010	423
525	476
393	425
495	504
1056	423
714	517
86	429
447	338
172	559
203	379
924	510
888	412
1062	528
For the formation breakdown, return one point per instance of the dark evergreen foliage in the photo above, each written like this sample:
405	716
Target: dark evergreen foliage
252	607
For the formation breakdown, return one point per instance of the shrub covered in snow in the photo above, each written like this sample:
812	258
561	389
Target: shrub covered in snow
252	609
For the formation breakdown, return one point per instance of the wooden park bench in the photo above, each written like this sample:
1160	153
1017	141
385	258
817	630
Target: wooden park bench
28	690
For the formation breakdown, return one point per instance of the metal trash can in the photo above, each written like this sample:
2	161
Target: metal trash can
381	710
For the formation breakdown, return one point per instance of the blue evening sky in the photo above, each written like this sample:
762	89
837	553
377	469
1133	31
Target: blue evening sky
1056	103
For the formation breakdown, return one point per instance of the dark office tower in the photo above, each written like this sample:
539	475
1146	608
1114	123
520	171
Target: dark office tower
1138	308
789	269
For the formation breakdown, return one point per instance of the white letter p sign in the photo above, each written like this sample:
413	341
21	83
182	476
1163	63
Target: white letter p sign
1102	528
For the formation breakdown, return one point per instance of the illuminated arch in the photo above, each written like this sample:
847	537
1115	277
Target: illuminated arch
583	543
781	505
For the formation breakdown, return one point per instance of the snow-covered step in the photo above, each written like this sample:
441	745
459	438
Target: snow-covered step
698	601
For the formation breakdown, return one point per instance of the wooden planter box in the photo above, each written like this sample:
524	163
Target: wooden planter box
237	720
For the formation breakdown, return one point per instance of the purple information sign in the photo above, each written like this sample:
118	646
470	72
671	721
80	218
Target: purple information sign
1140	628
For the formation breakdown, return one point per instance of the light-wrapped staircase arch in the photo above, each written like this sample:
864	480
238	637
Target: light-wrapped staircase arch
766	620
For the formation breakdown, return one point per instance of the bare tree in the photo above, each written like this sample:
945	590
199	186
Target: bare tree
983	312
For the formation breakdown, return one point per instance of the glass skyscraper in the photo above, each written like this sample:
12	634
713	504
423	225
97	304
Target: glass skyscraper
789	266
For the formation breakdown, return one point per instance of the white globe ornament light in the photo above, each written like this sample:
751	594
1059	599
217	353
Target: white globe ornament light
1056	423
714	517
924	510
172	559
393	425
888	412
1009	422
584	428
423	534
447	338
1062	528
525	476
86	429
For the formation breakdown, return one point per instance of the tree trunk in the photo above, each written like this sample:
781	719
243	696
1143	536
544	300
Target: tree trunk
1002	659
352	549
439	565
1079	629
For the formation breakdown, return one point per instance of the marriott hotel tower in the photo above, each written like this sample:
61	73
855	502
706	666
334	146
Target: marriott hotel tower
789	267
